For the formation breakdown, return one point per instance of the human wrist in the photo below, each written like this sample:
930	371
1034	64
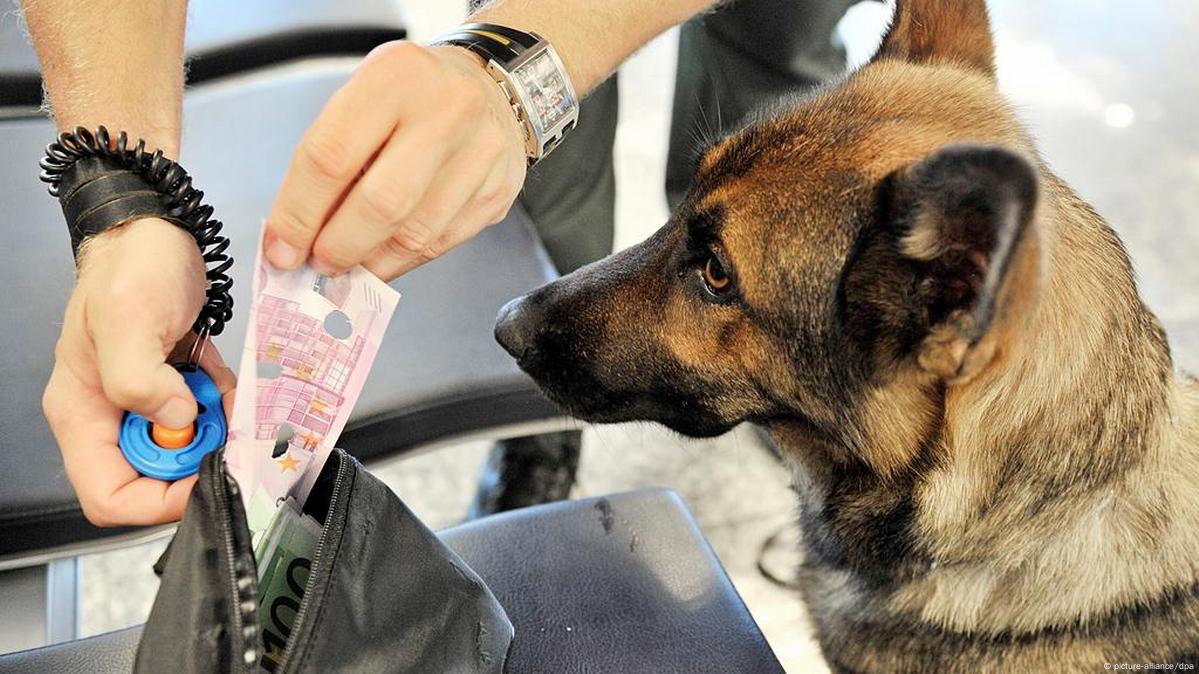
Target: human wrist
572	27
460	53
474	68
103	179
102	182
141	235
533	79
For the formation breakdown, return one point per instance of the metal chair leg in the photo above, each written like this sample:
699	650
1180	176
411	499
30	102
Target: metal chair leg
62	600
39	605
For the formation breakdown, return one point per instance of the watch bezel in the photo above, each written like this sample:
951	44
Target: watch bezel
536	145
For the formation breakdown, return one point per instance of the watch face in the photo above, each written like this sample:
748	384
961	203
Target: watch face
545	90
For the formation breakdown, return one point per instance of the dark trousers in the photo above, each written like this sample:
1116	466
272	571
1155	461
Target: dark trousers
733	61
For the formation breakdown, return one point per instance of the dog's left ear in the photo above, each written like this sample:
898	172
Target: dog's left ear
949	32
965	218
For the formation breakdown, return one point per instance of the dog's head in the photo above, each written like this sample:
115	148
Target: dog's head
864	247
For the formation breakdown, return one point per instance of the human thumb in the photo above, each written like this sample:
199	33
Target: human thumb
136	377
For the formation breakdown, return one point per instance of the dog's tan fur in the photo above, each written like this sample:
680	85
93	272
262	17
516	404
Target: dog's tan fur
997	465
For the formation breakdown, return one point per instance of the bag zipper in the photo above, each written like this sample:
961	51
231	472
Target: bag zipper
243	590
333	518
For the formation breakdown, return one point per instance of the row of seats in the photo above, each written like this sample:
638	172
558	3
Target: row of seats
643	594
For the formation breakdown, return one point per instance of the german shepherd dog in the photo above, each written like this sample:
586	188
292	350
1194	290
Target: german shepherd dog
997	467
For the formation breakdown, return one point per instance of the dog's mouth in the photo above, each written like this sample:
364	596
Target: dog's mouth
615	407
581	394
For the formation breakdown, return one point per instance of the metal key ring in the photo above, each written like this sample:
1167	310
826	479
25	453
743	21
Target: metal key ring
197	349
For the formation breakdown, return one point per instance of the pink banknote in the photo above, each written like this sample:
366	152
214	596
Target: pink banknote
309	346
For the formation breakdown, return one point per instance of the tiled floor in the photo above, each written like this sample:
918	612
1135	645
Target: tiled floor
1109	87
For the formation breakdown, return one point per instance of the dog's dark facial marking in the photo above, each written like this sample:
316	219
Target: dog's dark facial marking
644	334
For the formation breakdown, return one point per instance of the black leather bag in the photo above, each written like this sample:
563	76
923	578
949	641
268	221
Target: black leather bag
383	593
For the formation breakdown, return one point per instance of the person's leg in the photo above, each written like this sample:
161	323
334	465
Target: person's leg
532	470
740	58
570	197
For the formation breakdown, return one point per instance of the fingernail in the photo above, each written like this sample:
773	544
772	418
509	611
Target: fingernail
283	255
175	413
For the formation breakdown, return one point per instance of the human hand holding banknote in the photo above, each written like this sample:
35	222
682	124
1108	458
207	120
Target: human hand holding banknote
415	154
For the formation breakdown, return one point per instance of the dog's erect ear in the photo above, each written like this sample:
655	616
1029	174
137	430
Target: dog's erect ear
965	220
950	32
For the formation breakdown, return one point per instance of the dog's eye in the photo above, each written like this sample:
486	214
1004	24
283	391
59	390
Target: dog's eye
715	277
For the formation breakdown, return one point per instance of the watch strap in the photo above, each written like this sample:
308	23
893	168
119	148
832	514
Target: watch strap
522	39
484	45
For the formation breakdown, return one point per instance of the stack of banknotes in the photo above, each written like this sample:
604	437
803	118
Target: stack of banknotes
284	561
309	346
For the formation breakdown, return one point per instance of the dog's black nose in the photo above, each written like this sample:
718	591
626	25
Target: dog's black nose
515	329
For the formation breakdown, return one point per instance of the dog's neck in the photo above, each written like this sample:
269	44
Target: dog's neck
1076	450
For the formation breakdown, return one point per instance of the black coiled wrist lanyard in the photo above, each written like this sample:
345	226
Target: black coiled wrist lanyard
101	184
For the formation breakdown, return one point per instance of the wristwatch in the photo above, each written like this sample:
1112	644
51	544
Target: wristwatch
528	70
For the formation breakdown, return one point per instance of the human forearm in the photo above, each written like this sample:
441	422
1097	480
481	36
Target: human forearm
118	63
592	38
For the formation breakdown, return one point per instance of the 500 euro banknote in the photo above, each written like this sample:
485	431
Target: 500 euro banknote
309	346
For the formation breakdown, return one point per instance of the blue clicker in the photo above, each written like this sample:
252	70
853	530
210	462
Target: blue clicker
159	463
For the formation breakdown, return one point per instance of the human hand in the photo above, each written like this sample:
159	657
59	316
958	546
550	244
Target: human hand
416	154
139	290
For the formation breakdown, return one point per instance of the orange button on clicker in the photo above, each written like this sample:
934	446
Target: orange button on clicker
172	438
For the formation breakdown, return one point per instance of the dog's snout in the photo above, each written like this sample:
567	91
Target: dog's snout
515	327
